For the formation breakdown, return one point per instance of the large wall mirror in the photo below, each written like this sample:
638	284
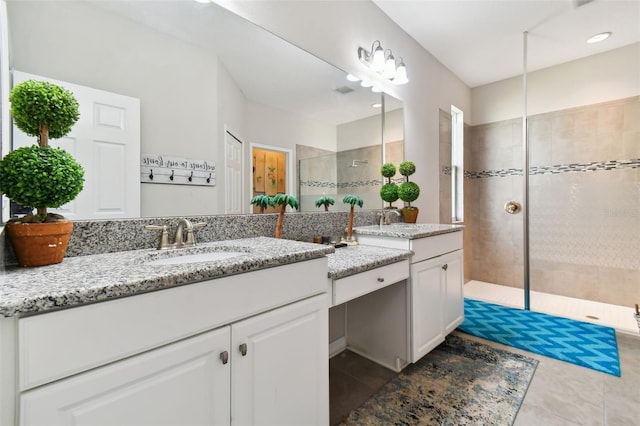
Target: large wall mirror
201	73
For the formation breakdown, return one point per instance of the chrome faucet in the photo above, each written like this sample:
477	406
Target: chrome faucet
183	224
179	240
385	217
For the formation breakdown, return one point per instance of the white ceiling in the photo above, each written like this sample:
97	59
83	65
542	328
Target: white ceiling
268	69
481	41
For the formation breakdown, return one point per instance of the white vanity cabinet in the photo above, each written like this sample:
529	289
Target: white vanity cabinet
437	304
268	369
183	383
436	298
241	350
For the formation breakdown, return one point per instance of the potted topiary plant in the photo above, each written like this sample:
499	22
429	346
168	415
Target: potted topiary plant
408	192
389	191
353	200
283	200
40	176
325	201
262	202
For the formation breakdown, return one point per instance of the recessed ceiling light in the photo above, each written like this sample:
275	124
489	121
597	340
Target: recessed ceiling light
352	77
377	105
599	37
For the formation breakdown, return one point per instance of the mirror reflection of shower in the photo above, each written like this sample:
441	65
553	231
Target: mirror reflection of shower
355	163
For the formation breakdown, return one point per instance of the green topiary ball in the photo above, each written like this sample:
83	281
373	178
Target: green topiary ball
389	192
37	176
407	168
409	191
388	170
35	102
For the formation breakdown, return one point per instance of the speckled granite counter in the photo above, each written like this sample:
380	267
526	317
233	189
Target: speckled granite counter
354	259
93	278
410	231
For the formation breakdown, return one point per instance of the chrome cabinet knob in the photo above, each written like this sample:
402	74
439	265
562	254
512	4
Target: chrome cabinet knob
243	349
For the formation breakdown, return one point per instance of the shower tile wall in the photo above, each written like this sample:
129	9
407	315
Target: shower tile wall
584	198
331	174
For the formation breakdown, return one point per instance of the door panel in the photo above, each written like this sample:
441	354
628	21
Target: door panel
283	377
106	142
183	383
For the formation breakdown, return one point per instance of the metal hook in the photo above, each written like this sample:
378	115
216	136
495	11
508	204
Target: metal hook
151	175
209	178
191	177
171	177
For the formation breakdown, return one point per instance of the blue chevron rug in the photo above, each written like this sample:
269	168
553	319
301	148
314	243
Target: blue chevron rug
581	343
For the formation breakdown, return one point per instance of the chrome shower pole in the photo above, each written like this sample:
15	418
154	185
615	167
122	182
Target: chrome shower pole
525	178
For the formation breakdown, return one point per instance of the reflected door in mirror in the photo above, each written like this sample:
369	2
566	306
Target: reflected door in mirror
269	174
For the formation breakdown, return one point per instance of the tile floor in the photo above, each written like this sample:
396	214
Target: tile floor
559	393
352	380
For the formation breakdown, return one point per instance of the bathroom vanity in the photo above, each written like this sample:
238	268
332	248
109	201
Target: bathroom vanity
227	332
435	300
244	344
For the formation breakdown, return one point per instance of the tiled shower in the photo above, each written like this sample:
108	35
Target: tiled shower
584	196
334	174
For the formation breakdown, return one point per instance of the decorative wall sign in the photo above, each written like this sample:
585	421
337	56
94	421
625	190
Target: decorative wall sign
156	168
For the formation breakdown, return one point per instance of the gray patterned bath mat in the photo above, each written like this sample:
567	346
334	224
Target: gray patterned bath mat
461	382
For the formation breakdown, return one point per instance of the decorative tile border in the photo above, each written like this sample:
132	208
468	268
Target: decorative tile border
351	184
557	169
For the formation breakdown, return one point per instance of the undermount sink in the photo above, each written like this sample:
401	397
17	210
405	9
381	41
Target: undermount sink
194	255
199	257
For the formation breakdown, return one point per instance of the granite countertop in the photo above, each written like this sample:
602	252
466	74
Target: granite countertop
409	231
86	279
351	260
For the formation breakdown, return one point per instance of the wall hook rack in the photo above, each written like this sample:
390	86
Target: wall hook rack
157	168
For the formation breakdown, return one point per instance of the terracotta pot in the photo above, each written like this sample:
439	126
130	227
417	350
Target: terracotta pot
410	214
39	244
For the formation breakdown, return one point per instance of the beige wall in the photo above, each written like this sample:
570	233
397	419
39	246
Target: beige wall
598	78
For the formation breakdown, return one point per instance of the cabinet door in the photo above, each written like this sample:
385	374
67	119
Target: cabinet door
426	307
280	366
185	383
453	295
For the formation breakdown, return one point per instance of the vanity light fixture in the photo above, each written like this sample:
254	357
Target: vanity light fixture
375	58
599	37
383	63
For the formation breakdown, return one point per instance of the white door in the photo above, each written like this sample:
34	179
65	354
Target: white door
426	307
185	383
280	366
106	142
453	295
233	167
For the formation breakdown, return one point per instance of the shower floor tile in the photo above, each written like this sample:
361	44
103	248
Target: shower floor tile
619	317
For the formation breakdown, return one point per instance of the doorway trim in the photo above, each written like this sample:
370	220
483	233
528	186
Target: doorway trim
290	169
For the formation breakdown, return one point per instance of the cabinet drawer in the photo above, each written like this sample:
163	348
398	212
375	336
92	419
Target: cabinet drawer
58	344
426	248
345	289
